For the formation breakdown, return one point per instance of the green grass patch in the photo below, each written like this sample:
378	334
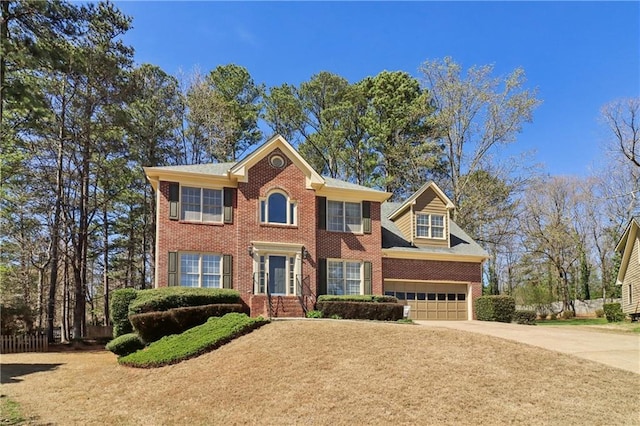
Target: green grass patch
193	342
10	412
574	321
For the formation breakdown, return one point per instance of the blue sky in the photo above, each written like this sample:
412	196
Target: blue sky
579	55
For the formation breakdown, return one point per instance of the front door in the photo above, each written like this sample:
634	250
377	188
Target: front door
277	274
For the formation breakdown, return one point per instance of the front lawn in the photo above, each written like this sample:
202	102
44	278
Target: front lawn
598	324
331	373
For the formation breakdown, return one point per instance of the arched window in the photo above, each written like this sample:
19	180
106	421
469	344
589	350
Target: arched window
278	208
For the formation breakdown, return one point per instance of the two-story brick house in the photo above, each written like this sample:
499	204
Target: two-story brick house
272	228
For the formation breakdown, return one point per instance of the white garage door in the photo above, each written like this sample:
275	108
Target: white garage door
431	301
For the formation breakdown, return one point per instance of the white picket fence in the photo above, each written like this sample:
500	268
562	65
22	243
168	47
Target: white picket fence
19	344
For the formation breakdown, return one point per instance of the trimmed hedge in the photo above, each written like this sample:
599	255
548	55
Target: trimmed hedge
119	310
165	298
525	317
193	342
125	344
357	298
381	311
495	308
613	312
152	326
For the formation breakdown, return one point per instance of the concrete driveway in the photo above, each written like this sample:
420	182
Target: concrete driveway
613	349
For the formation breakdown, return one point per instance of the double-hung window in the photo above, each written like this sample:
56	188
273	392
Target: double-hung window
344	217
201	204
430	226
278	208
344	277
200	270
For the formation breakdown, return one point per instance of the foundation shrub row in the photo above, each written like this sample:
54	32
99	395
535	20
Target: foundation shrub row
381	308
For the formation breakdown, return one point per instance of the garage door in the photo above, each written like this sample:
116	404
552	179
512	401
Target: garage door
431	301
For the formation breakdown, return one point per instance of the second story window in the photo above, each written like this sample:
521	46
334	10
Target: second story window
344	216
278	208
430	226
201	204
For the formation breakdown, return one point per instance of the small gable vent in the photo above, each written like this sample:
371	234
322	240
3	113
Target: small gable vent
277	161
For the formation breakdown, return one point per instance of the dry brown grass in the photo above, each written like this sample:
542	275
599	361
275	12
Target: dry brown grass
330	372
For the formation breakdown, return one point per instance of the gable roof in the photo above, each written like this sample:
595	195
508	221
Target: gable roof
240	169
230	173
431	184
463	247
625	246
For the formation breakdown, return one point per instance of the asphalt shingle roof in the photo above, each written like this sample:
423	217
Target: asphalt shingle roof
210	169
461	243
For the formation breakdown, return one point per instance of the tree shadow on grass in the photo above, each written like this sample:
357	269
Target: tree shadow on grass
10	373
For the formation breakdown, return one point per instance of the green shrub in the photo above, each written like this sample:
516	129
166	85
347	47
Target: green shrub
495	308
357	298
193	342
125	344
119	310
314	314
525	317
165	298
553	316
613	312
568	315
359	310
599	313
152	326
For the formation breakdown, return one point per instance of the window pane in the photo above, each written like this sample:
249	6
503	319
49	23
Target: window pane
389	293
431	296
422	225
211	205
352	277
292	213
400	295
437	220
335	216
422	296
189	270
190	203
437	232
442	296
411	296
211	281
451	296
263	211
277	208
211	264
461	296
335	278
353	217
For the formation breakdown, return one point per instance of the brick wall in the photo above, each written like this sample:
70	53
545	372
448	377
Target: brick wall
365	247
262	178
436	270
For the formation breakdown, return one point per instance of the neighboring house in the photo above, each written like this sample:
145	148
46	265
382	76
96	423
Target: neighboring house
629	272
272	228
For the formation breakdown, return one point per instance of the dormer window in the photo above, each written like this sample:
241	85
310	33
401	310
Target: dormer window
277	208
430	226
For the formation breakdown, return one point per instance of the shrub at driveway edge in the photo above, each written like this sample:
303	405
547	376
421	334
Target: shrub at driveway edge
495	308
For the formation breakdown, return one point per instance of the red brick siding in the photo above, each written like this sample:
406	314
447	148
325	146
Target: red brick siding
262	178
435	270
364	247
177	235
